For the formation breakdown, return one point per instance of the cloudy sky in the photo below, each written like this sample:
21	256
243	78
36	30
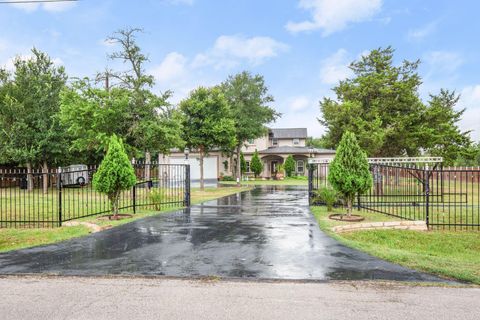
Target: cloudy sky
302	47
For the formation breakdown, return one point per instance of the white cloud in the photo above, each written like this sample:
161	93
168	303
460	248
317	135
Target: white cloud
335	67
172	68
334	15
443	61
423	32
49	6
230	51
299	103
470	99
9	64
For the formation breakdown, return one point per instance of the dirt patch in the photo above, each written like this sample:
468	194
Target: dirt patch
119	216
344	217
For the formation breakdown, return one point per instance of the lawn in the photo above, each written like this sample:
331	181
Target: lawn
293	181
446	253
12	239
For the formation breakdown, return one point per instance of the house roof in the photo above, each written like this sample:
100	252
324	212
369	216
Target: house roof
289	133
295	150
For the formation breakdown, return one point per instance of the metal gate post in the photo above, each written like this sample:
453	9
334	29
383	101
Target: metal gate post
187	186
59	187
310	183
427	195
134	195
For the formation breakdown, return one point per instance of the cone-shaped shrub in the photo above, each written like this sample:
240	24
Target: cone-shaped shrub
289	166
115	173
349	172
256	165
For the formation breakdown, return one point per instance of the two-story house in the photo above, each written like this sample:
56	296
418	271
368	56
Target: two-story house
273	149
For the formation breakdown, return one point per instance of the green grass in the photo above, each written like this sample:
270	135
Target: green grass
453	255
293	181
12	239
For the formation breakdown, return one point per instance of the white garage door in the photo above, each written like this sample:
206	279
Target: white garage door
210	168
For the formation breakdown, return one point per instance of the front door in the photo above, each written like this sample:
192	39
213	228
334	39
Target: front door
273	168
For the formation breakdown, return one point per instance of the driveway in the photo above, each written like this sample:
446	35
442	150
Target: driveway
268	232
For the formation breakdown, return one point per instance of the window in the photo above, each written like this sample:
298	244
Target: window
248	166
296	141
300	166
274	141
251	141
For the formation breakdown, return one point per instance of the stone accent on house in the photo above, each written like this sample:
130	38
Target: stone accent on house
398	225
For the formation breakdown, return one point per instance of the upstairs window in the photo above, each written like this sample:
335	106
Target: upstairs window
296	141
251	141
274	142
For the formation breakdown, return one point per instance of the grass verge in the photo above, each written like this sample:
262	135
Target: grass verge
449	254
13	239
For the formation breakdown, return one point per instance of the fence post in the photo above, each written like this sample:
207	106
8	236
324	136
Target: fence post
59	187
426	177
358	201
187	186
134	195
310	182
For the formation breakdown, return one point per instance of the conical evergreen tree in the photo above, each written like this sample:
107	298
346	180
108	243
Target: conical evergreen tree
256	165
115	173
349	172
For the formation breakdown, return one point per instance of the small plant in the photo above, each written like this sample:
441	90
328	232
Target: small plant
157	196
327	196
227	178
115	174
289	166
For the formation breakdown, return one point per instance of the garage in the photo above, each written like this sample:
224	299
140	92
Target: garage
210	167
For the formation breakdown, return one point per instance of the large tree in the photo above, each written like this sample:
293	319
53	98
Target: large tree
152	124
249	101
381	104
207	123
29	102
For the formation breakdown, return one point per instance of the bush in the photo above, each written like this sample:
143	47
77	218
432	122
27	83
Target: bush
256	165
289	166
227	178
115	174
157	196
327	196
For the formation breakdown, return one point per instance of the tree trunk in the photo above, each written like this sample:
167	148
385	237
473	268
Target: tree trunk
239	166
202	185
115	199
45	177
29	177
349	206
232	167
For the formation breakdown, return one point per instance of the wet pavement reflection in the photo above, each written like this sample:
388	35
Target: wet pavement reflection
268	232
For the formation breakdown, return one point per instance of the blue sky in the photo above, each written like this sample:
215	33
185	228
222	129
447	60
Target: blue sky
302	47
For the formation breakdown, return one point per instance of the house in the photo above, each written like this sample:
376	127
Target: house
273	149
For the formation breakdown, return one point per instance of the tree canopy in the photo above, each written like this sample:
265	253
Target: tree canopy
249	102
381	104
206	119
29	102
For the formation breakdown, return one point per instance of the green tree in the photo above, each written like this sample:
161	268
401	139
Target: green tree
441	135
381	105
207	123
256	165
29	103
349	172
249	101
289	166
243	164
319	143
152	124
115	174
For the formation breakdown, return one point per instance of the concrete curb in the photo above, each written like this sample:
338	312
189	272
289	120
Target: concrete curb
397	225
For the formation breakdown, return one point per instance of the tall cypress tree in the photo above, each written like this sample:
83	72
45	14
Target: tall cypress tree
256	165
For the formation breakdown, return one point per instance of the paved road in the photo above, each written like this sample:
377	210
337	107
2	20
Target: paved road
268	232
98	298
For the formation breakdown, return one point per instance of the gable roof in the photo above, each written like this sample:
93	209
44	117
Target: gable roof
295	150
289	133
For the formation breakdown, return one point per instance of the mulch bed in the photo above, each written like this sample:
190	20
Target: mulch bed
119	216
344	217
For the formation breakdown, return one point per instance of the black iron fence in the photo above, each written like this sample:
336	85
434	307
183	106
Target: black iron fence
443	198
40	198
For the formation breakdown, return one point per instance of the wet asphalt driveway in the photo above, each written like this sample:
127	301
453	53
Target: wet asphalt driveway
268	232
